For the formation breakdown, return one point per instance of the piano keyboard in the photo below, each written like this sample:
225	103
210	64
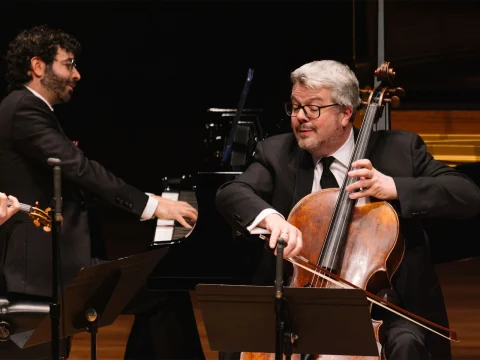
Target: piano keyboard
168	230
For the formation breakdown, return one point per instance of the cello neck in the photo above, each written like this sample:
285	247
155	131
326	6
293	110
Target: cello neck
330	256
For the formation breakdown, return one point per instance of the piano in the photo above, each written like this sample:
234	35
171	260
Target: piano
210	252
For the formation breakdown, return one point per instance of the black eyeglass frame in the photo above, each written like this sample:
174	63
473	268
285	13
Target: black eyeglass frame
287	104
70	63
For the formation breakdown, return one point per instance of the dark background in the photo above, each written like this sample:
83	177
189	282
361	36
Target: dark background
150	70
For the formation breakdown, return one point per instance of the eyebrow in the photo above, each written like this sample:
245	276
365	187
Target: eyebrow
309	99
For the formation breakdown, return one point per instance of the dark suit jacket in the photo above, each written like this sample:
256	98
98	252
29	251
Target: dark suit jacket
29	135
282	174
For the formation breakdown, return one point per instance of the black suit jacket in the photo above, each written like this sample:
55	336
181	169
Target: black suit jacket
29	135
282	174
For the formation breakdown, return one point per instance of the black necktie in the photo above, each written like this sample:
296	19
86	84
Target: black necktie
328	179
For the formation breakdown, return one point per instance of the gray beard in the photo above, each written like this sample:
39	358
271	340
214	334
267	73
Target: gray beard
316	146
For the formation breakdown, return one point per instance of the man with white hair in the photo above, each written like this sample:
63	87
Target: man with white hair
397	169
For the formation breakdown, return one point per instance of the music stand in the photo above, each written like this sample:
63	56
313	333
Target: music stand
96	297
323	321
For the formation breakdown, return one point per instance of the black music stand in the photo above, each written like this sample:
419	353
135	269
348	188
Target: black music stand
322	320
95	298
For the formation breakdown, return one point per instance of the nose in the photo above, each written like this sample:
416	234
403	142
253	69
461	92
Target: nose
76	74
301	116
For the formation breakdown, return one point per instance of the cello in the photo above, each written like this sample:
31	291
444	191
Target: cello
348	245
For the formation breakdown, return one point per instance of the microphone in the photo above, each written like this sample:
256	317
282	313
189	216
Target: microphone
56	224
54	162
57	186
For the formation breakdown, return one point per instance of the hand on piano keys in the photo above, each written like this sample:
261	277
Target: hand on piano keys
181	211
168	230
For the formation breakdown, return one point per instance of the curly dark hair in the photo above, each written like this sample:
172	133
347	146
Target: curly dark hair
41	41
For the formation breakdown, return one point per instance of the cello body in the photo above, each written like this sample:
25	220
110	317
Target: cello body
372	253
373	249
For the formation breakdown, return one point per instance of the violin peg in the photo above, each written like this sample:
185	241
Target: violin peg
36	222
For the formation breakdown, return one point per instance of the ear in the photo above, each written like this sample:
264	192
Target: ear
37	66
347	114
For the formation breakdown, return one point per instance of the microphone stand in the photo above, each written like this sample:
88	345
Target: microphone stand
283	344
56	226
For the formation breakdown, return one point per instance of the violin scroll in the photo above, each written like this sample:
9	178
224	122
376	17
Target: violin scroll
41	217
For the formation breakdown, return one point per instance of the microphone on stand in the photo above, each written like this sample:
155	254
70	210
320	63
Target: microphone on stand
54	162
57	188
56	224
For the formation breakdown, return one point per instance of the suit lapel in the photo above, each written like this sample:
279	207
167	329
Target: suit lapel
303	174
52	113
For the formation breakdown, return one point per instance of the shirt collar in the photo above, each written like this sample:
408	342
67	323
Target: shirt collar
343	154
40	97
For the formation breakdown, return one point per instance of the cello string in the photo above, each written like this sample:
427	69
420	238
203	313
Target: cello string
373	301
298	260
359	151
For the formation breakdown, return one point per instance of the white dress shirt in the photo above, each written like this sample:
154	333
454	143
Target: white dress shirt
152	203
339	169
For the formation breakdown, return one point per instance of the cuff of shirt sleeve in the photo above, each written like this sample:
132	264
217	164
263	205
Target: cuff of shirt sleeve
252	229
149	208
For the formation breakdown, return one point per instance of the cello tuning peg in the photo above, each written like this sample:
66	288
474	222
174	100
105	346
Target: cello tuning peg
399	92
396	92
365	91
394	101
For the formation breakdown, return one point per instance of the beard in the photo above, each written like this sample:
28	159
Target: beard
316	145
57	85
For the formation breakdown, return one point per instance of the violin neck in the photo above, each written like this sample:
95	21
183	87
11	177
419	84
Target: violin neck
23	207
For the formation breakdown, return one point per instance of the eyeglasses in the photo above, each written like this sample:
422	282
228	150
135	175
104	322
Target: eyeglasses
69	63
310	111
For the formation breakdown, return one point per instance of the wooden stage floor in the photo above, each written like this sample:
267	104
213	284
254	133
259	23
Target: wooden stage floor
461	287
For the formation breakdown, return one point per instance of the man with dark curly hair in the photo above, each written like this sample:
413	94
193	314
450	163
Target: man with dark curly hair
41	73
